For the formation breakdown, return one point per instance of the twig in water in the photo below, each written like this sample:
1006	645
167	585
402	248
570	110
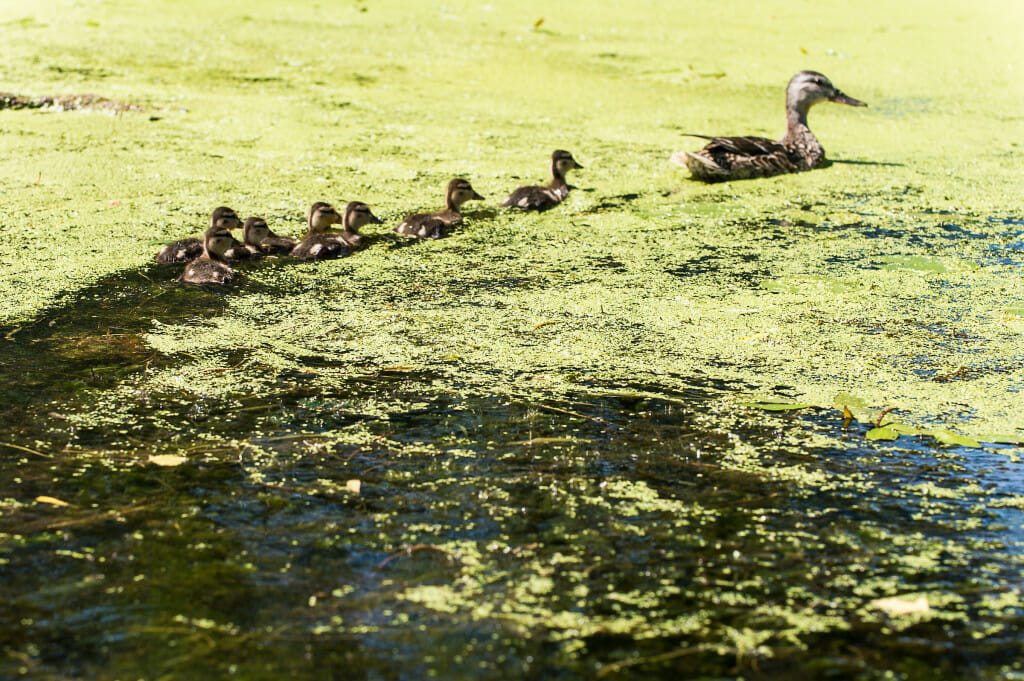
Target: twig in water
412	549
878	421
25	449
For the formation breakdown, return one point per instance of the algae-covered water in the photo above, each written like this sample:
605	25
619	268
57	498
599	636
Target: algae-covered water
764	430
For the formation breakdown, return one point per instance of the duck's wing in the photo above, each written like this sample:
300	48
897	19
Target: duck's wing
317	247
742	146
532	198
184	250
422	226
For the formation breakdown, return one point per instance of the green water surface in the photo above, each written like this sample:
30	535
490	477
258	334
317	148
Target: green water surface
664	430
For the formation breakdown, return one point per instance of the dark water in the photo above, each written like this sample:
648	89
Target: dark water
621	532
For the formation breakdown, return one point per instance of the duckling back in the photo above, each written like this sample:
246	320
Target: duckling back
205	271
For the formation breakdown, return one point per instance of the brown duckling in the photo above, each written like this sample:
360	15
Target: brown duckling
436	225
542	198
254	231
317	244
741	158
210	267
187	250
356	215
263	240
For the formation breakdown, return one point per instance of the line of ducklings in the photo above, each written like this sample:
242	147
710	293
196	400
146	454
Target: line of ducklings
209	259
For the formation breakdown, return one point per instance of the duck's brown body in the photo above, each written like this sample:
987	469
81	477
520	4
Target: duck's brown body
317	245
437	225
356	215
187	250
540	198
741	158
210	268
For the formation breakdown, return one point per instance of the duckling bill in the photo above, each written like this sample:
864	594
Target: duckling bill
437	225
740	158
543	198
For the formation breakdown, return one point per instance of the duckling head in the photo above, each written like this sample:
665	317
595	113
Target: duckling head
322	216
562	162
358	214
254	231
808	88
217	241
225	217
459	191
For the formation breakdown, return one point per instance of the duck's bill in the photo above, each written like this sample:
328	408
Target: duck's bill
840	98
477	196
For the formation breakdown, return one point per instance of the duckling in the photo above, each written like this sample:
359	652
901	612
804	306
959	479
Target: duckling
542	198
210	267
356	215
740	158
317	245
264	240
187	250
254	231
436	225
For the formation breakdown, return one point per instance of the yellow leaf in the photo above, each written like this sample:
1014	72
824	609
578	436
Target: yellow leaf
167	460
901	606
354	486
537	24
52	501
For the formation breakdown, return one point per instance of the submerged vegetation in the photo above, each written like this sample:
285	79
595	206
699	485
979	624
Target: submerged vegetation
764	430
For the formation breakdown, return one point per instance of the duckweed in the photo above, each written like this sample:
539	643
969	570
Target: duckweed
662	429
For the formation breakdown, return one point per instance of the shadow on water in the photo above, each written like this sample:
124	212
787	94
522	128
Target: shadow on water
628	531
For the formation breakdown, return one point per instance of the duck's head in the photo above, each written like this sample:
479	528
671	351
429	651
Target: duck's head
808	88
459	191
254	231
322	216
358	214
562	162
217	241
226	218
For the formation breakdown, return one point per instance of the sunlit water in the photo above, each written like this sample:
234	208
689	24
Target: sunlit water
623	531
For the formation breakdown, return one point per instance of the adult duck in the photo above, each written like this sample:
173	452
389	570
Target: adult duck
741	158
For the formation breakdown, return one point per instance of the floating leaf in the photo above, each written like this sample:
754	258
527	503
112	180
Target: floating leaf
167	460
354	486
901	606
848	400
948	438
53	501
1001	438
883	433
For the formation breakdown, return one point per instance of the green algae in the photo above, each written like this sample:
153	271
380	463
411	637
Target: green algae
544	412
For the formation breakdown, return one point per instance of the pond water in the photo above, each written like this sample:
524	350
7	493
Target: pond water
761	430
606	531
